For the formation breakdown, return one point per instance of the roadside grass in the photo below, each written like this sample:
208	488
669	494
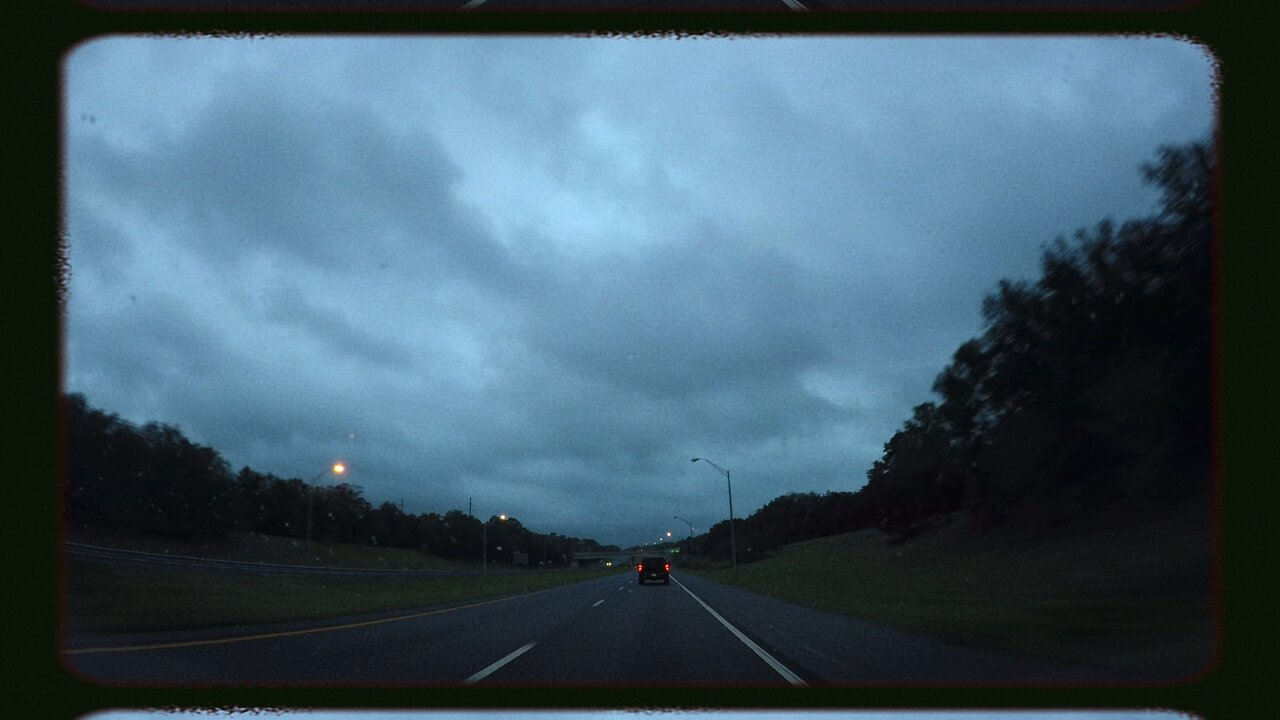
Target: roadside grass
109	599
1122	595
252	547
102	599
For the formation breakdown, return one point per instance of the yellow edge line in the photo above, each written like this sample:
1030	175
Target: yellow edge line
308	631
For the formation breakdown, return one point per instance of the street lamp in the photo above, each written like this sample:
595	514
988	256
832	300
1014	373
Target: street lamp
677	517
337	469
484	545
733	543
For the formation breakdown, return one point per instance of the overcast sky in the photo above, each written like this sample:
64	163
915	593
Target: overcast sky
543	273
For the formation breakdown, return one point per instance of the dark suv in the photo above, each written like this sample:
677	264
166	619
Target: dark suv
654	568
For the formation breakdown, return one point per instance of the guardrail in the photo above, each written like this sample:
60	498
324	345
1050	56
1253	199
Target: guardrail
97	553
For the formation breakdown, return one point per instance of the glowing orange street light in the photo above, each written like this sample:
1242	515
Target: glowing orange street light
337	469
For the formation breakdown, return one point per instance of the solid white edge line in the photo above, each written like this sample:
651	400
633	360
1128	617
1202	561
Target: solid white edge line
496	666
771	660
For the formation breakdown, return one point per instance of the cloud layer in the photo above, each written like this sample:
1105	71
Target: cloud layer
543	273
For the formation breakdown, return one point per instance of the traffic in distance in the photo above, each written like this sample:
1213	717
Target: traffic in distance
654	569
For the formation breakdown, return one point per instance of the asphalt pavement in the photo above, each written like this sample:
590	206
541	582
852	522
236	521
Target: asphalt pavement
606	631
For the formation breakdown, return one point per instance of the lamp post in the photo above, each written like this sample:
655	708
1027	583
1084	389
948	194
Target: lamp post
337	469
484	545
677	517
733	543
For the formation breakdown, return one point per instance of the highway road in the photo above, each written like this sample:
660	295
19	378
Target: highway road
603	631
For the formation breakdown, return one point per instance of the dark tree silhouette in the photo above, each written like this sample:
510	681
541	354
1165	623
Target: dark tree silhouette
154	481
1088	386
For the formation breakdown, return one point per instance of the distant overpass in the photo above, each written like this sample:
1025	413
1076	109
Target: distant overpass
619	558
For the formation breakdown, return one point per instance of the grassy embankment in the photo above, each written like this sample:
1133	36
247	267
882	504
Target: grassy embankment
1118	593
127	599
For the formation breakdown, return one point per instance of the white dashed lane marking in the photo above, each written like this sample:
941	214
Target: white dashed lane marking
497	666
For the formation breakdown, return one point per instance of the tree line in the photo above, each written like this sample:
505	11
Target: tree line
152	480
1089	387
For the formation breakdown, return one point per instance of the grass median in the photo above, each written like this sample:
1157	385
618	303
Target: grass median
103	598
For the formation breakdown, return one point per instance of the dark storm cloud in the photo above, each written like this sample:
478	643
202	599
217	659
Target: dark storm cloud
112	250
692	315
269	171
149	344
288	306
